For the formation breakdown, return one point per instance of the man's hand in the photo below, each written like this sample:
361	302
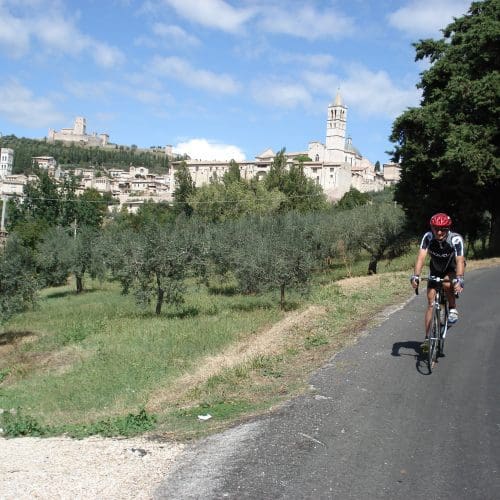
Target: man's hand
415	280
458	284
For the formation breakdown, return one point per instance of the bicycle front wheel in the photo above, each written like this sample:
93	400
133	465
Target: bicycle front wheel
434	339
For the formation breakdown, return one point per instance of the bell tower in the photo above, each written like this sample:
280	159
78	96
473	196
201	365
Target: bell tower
336	131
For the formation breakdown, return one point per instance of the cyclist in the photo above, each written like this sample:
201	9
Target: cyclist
446	251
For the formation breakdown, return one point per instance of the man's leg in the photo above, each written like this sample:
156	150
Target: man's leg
450	292
431	294
452	301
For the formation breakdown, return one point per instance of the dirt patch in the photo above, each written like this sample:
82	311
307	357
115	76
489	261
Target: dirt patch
267	342
349	285
11	340
480	264
21	362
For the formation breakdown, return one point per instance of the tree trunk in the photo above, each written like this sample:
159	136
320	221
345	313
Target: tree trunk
372	265
282	297
159	300
495	233
79	283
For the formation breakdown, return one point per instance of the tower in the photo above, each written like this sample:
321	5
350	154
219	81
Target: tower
336	131
80	126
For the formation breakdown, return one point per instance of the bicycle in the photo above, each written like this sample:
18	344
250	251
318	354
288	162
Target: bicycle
439	322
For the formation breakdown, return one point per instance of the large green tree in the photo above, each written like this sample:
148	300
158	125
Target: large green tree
448	146
234	197
19	283
302	193
184	188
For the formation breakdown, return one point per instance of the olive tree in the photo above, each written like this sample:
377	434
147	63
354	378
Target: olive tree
19	282
151	262
272	253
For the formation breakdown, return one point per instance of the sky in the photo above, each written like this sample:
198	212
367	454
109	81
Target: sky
215	79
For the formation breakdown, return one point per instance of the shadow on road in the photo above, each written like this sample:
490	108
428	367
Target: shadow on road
415	352
410	345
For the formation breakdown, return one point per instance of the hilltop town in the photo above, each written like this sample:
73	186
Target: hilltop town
336	165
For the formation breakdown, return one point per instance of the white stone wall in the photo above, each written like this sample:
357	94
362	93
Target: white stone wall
6	162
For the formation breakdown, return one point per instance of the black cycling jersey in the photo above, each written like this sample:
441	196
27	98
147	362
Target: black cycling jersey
443	253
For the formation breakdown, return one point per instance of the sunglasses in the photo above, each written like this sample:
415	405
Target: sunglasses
441	229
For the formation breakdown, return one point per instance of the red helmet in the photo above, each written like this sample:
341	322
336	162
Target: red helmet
441	220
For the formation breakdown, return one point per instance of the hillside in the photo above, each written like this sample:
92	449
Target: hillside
70	155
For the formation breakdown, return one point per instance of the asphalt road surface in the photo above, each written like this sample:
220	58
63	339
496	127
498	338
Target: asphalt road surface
377	424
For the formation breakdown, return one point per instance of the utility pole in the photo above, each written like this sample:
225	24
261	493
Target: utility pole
4	212
3	232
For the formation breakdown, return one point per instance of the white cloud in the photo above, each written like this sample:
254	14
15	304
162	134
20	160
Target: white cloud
63	37
53	33
13	34
204	149
105	55
212	13
280	94
306	60
151	97
20	106
137	87
175	34
372	93
306	22
422	18
182	71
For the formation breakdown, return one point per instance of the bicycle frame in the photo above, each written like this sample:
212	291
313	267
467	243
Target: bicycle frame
439	322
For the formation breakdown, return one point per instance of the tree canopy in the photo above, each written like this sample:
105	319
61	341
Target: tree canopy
302	193
448	146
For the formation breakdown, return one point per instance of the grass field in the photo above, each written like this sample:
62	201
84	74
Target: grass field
96	363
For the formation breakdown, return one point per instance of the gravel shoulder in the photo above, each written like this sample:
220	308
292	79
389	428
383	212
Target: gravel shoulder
64	468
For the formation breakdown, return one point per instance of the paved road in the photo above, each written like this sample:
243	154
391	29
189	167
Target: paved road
377	425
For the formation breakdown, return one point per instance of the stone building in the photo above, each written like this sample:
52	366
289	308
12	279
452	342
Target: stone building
335	165
6	162
78	133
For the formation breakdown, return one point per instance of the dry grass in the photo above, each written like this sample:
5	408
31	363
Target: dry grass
271	341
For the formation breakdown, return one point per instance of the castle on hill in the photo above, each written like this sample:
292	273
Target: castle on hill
78	133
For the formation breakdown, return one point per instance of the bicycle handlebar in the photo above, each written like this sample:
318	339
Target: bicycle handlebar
437	279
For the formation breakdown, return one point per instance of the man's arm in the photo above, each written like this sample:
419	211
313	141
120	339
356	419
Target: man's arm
419	264
458	283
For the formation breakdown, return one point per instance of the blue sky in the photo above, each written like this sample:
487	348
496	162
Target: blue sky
217	79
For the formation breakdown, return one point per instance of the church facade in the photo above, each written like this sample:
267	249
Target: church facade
335	165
